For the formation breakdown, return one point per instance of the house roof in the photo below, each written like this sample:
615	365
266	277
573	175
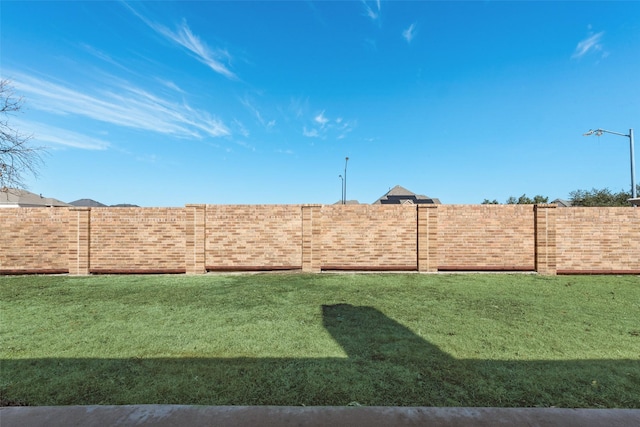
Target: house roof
94	204
562	203
87	203
13	197
400	195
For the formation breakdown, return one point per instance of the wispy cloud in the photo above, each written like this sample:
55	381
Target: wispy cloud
102	56
297	107
324	127
321	119
171	85
589	44
409	33
242	130
43	133
183	36
123	105
310	133
250	105
372	13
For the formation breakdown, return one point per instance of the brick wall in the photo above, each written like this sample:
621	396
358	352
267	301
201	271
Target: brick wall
369	237
34	240
142	240
598	240
253	237
427	238
486	237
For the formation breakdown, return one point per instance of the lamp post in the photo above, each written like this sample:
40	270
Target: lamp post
598	132
341	189
344	199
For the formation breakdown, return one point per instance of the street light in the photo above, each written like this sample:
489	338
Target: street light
599	132
341	189
344	200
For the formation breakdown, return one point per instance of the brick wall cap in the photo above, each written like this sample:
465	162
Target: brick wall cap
546	206
79	208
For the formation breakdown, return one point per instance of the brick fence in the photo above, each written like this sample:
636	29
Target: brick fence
311	238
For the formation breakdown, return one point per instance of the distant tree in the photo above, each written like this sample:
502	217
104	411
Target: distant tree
17	156
525	200
490	202
597	197
538	200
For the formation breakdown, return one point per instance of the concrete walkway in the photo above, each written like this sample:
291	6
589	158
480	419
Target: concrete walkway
182	415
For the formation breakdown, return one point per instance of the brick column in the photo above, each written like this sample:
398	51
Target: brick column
311	242
545	238
427	238
194	242
79	240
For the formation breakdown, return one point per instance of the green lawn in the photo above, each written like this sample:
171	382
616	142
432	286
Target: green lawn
325	339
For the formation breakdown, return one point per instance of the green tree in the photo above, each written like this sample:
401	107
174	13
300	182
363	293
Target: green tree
525	200
490	202
600	197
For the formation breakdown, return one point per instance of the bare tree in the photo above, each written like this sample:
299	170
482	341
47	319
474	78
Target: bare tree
17	156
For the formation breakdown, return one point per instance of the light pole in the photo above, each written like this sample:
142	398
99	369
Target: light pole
344	200
598	132
341	189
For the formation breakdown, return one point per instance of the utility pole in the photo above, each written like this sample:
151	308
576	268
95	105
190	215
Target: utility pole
344	198
599	132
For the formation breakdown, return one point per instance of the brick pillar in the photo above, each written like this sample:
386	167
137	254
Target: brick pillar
427	238
311	242
545	238
79	240
195	223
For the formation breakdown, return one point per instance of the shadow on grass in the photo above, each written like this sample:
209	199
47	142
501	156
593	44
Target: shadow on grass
387	364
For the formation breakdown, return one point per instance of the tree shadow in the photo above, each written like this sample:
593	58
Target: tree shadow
387	364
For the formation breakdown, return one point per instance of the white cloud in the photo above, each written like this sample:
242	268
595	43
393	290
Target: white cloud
409	33
310	133
590	44
241	128
103	56
126	106
171	85
324	128
249	105
297	107
43	133
185	38
372	13
202	52
321	119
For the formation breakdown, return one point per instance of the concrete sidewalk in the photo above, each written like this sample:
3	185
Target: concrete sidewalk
183	415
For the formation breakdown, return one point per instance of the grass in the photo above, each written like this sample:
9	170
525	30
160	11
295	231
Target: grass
280	339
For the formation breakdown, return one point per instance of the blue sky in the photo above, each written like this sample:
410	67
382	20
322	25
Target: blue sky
167	103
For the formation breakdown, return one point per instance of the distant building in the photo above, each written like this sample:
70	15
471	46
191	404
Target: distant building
401	196
88	203
562	203
14	198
